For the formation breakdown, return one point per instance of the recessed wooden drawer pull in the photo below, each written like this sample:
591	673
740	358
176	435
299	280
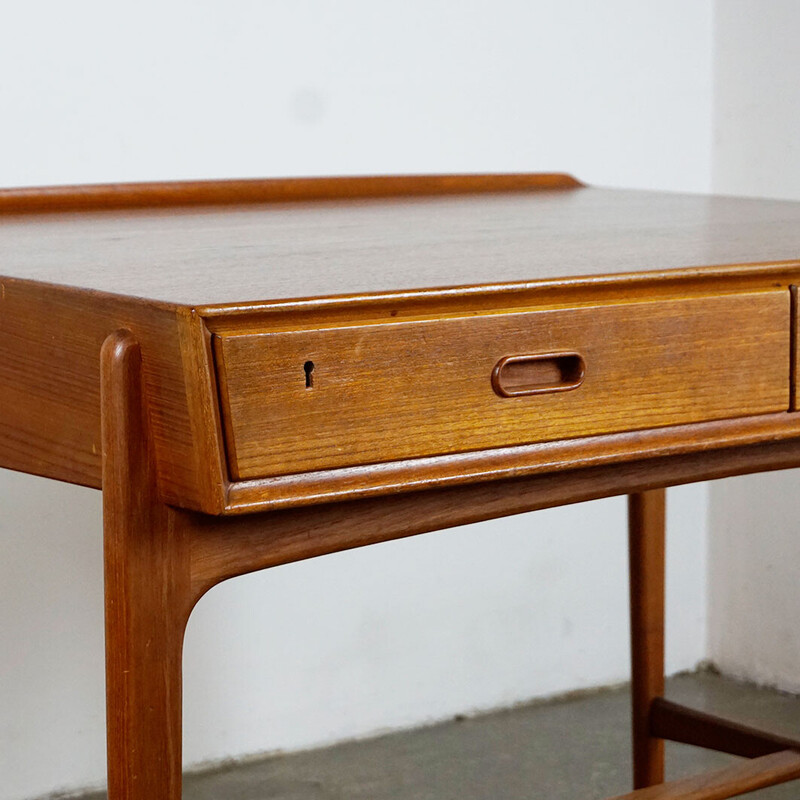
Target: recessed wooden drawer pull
516	376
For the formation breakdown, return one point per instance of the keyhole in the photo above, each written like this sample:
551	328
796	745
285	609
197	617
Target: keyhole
308	368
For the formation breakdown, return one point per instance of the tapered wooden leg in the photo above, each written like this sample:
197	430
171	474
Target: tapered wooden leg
646	542
147	594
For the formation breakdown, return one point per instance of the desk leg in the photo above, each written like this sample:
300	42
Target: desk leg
646	532
147	605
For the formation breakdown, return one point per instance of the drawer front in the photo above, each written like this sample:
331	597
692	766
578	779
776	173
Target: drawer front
302	400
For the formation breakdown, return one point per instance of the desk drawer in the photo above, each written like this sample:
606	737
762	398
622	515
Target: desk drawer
301	400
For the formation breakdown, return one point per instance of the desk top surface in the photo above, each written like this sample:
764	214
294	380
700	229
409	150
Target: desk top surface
261	251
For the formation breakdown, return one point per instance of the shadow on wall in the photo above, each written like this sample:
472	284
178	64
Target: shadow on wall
754	585
387	637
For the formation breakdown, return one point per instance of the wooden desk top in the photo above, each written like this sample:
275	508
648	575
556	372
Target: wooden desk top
532	231
372	358
318	340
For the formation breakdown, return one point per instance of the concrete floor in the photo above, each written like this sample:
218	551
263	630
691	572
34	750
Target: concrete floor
571	748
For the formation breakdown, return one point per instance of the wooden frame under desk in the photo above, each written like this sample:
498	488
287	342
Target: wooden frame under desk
686	373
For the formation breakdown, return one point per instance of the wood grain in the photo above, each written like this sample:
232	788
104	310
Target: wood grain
232	545
49	412
646	547
729	782
147	591
394	391
50	389
678	723
743	437
794	366
49	393
239	254
405	292
93	197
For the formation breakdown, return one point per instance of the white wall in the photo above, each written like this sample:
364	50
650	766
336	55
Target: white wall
755	521
617	92
756	98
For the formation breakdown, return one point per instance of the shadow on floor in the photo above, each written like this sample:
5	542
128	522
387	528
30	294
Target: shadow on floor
575	749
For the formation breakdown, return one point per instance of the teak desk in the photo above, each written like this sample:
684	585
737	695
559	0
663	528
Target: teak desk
257	372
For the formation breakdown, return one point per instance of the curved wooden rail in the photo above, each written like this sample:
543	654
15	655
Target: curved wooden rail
95	197
729	782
